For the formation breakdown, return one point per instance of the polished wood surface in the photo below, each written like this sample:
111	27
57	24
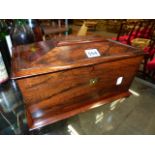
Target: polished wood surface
55	55
63	82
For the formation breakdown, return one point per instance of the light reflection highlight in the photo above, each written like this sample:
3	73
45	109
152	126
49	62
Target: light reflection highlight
97	105
134	92
113	104
72	130
99	117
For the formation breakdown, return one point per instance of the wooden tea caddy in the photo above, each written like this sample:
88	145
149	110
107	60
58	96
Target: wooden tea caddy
58	79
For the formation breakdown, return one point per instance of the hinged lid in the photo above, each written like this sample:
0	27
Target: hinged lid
66	53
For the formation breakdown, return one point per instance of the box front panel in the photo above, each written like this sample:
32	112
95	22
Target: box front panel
52	94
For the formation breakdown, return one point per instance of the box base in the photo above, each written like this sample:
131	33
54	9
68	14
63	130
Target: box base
90	105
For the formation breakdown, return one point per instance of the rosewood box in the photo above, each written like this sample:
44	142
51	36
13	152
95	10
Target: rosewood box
63	77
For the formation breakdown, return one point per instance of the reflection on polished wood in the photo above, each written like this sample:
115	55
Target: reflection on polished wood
58	80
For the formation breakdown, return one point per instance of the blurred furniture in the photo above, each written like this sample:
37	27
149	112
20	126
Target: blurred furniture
150	64
140	42
91	25
151	68
112	25
83	30
138	33
135	29
149	54
54	28
78	22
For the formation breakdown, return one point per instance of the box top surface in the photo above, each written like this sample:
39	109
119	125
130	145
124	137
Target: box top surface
66	53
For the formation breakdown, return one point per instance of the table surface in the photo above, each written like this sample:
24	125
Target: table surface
12	112
137	114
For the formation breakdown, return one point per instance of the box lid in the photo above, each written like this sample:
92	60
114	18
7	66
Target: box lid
66	53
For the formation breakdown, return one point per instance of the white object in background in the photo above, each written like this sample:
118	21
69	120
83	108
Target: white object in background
66	25
9	43
59	23
30	23
119	80
3	71
92	53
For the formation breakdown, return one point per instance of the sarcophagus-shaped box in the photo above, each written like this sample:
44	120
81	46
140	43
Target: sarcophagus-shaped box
61	78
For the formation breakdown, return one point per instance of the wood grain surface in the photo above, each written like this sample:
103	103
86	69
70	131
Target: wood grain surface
63	81
58	55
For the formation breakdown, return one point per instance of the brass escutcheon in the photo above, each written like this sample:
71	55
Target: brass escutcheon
33	49
93	82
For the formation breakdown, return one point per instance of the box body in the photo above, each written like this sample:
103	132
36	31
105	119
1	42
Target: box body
62	80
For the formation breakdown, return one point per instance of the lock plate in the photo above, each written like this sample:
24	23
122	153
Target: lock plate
93	82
